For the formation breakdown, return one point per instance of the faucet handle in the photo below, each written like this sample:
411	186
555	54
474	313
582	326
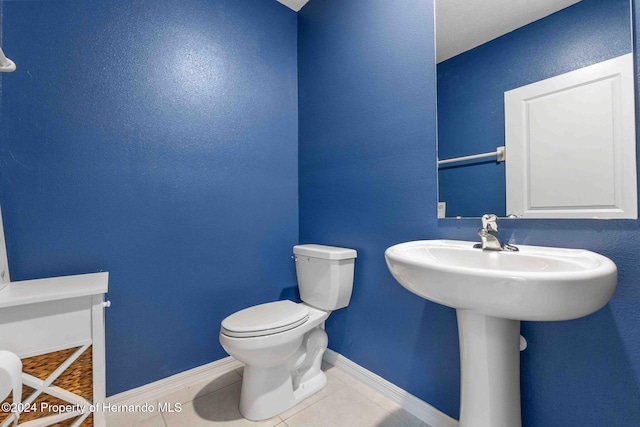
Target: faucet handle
490	222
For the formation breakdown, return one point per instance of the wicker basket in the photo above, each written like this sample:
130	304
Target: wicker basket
77	379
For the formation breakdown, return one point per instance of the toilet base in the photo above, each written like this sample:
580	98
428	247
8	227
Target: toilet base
269	391
260	399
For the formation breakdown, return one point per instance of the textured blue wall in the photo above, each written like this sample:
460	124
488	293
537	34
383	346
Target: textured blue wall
368	180
471	90
156	140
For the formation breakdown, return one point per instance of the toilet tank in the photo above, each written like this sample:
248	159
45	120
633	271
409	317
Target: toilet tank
325	275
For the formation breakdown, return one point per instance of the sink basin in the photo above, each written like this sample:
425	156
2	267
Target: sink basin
535	283
492	291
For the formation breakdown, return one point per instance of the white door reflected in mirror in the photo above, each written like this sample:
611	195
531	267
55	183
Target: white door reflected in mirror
572	144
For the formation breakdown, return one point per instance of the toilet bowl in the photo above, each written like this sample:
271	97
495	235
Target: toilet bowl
281	343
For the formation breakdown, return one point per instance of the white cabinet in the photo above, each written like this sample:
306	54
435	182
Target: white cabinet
56	326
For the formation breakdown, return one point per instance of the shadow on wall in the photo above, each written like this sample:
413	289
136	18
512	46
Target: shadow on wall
291	293
437	351
595	366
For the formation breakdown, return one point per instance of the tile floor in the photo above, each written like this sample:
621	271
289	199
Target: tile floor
344	402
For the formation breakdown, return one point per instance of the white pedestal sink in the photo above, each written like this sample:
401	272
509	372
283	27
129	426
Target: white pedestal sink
492	291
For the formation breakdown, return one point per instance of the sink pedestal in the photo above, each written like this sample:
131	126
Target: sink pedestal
533	284
490	365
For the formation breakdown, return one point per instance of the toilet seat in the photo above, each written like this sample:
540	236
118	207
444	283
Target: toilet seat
265	319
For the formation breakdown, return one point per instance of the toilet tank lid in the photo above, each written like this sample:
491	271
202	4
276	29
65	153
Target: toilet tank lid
325	252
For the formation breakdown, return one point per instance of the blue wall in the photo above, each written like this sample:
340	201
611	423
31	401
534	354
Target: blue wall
156	140
471	90
368	180
179	177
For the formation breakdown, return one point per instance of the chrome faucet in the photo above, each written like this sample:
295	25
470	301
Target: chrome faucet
489	235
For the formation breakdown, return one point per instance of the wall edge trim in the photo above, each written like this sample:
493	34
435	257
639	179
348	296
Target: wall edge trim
402	398
175	382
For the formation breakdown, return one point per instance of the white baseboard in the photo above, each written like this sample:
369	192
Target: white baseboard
407	401
176	382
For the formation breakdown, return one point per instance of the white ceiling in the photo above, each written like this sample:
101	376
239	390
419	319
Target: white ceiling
462	25
294	4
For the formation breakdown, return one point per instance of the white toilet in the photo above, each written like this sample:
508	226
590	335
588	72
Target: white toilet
282	342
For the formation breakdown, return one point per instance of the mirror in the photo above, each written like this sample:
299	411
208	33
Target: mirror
486	48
